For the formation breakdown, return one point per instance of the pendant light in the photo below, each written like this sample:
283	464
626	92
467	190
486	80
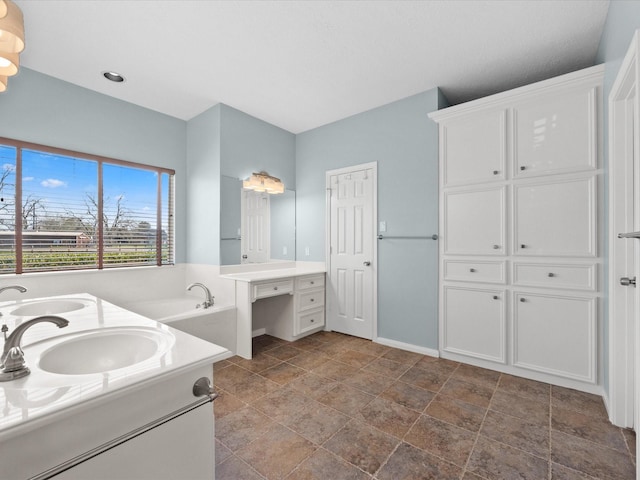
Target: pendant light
11	40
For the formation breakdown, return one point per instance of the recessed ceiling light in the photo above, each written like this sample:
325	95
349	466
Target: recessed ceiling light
113	76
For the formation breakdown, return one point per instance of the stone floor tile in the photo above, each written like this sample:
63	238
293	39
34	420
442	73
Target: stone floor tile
410	463
332	348
283	352
277	452
334	370
226	403
282	403
235	469
531	437
362	446
468	392
494	460
409	396
370	348
222	452
594	429
402	356
424	379
435	364
257	363
323	465
253	388
525	388
388	416
441	439
630	439
346	399
387	367
582	402
456	412
559	472
368	382
228	377
308	343
316	422
241	427
313	385
354	358
590	458
521	407
283	373
481	376
308	360
221	364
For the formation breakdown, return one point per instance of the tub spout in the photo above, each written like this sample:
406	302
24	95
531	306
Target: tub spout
208	301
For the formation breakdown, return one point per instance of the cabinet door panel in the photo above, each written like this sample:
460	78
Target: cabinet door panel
474	323
474	148
556	218
556	335
556	134
474	222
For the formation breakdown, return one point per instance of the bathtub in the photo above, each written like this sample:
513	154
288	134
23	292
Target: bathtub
216	324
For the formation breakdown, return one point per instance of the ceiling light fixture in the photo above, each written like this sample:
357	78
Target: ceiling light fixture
11	40
263	182
113	76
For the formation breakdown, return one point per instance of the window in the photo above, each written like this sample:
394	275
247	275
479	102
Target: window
62	210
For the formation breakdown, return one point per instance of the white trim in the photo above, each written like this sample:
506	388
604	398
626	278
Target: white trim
258	332
327	231
432	352
621	395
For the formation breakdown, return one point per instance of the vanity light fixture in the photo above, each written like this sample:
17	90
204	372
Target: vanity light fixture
11	40
263	182
113	76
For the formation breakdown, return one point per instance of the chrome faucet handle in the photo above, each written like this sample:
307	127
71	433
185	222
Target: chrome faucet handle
4	331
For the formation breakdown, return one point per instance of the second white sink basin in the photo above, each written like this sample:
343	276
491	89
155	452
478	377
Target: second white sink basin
104	350
48	307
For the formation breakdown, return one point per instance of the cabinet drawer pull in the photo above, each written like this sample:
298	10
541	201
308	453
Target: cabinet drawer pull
523	167
551	274
311	300
523	246
312	320
495	297
523	300
496	172
472	270
275	288
312	282
496	247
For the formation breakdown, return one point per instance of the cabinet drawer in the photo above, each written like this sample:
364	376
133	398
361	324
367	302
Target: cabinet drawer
309	320
311	281
310	299
578	277
488	272
271	289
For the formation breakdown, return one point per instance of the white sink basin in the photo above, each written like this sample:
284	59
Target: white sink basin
48	307
104	350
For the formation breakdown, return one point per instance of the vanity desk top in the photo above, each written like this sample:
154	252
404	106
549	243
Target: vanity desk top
250	273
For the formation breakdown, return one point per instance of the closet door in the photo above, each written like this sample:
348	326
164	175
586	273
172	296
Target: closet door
474	221
474	148
555	218
474	322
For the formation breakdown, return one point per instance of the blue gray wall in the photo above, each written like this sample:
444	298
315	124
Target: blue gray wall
404	142
41	109
623	19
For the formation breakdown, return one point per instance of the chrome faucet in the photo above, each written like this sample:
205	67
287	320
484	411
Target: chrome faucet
208	301
12	364
20	288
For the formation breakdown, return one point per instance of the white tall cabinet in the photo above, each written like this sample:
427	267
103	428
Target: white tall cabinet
520	249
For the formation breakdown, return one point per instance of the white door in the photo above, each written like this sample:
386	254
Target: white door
255	227
352	269
624	243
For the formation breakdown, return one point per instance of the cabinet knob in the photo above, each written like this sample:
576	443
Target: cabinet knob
275	288
523	246
312	300
312	320
495	297
551	274
312	282
523	299
523	167
496	172
472	270
496	247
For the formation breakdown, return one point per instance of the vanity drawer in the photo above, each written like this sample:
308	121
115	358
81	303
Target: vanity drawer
310	281
271	289
310	299
309	320
478	271
551	275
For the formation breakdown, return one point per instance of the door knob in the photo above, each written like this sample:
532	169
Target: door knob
366	264
626	281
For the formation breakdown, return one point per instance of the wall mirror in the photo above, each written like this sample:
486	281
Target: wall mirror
255	227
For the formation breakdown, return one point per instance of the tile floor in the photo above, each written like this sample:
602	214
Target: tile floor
335	407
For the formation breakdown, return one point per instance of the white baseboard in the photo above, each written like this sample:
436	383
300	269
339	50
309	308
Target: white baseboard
258	332
407	346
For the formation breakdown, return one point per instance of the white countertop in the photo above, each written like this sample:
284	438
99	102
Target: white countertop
29	401
260	275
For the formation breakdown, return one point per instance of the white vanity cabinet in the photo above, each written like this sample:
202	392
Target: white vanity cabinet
309	299
520	254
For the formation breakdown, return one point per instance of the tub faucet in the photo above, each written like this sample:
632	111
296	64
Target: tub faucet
208	301
20	288
12	364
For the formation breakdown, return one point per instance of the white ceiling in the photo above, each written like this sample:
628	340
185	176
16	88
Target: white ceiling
302	64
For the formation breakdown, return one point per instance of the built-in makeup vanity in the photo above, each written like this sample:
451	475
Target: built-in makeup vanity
284	300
